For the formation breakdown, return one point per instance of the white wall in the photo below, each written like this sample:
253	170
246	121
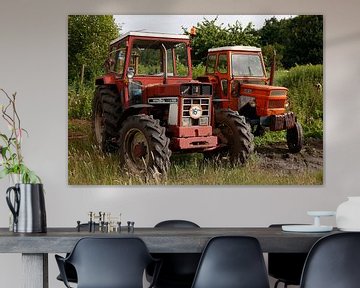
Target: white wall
33	62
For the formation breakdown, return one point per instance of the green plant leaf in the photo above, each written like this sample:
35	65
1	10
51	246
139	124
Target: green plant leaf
4	172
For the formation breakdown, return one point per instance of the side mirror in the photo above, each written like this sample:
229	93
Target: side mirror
109	64
130	73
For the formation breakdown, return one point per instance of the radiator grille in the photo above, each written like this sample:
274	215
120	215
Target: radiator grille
276	104
205	107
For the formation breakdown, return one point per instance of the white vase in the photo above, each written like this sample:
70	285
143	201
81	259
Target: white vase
14	179
348	214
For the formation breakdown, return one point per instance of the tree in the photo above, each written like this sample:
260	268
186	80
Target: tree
210	35
298	40
273	31
304	41
88	41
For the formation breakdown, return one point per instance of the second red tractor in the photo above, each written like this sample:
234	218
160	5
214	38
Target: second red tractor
240	83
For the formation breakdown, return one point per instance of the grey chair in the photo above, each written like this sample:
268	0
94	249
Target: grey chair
286	267
178	269
108	263
232	262
333	262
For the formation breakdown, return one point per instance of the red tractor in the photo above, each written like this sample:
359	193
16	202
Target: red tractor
147	106
240	83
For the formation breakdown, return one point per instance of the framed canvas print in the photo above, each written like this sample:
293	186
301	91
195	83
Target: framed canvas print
195	99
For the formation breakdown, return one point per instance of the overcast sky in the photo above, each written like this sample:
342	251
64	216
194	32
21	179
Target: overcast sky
173	23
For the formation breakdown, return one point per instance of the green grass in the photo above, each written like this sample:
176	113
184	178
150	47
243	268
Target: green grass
80	100
87	165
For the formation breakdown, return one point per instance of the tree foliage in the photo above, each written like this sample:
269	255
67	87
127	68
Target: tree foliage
298	40
210	35
88	41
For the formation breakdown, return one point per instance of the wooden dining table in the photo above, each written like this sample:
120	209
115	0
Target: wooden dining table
35	247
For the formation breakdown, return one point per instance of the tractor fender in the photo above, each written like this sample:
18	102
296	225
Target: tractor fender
133	110
106	80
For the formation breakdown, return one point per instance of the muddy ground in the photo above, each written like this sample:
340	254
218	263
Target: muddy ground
277	157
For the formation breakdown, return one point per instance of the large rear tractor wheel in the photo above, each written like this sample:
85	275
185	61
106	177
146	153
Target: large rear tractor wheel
234	133
144	147
295	138
106	116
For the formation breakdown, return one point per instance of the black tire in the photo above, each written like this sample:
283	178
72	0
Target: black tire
106	118
295	138
144	147
234	133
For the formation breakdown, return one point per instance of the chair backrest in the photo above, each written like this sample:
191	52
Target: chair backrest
333	262
178	269
176	224
232	262
287	267
110	262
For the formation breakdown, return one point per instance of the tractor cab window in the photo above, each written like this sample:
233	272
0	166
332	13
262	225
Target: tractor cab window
182	68
148	58
117	58
246	65
210	65
222	66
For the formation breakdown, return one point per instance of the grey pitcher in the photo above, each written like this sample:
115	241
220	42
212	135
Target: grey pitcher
28	208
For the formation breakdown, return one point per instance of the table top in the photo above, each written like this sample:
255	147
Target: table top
158	240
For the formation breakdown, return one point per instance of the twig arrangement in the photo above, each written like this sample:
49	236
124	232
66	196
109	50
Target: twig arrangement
12	161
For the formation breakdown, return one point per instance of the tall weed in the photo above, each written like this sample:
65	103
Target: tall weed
305	95
80	100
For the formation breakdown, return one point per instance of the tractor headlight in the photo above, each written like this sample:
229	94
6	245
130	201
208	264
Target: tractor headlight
130	73
186	122
287	104
204	121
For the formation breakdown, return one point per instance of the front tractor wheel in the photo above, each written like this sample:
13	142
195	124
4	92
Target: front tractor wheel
234	133
144	147
295	138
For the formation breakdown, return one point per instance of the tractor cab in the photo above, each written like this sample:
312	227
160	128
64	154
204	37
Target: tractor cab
240	83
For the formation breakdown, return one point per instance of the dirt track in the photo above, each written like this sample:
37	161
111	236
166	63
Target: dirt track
277	157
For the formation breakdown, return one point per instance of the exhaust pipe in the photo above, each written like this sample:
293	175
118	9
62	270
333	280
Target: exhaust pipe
165	62
273	67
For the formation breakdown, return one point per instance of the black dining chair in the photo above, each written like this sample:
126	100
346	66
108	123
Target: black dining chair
70	271
286	267
108	263
178	269
333	262
232	262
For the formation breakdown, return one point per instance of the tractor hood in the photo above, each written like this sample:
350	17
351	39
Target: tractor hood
255	90
269	100
193	88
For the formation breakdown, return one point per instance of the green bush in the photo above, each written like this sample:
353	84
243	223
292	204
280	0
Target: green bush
198	70
80	100
305	96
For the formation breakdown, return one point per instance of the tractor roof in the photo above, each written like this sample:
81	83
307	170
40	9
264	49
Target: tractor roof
150	34
235	48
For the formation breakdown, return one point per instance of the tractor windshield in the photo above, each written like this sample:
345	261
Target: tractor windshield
246	65
148	58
